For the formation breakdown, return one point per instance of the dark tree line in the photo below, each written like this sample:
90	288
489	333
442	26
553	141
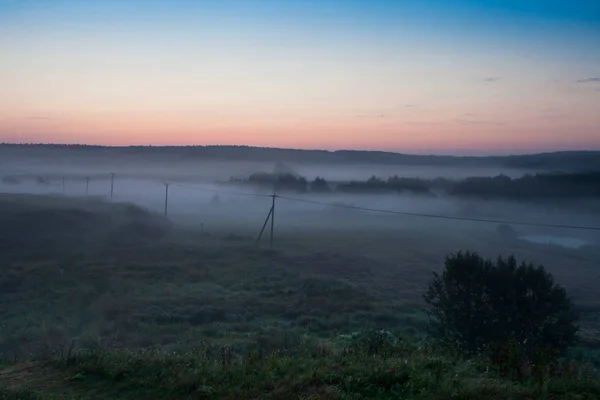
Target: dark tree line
392	184
290	182
570	161
279	182
531	186
540	186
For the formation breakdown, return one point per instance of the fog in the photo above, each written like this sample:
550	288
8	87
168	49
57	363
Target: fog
216	170
194	197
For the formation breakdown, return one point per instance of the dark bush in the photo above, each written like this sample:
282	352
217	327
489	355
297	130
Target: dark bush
479	306
319	185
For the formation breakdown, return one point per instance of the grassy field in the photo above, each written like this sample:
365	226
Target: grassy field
104	300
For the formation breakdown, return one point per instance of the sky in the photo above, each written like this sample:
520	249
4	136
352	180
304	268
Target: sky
414	76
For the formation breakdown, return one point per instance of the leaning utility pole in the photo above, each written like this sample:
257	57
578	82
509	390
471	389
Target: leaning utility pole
270	216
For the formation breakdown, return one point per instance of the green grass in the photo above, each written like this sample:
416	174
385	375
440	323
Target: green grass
353	370
149	307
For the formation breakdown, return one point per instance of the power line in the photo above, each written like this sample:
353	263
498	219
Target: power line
591	228
422	215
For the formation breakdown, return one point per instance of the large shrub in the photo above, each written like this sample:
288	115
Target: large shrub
480	306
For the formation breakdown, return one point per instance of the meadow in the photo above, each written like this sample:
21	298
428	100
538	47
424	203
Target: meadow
110	300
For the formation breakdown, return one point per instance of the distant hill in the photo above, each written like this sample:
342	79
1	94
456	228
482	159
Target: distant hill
557	161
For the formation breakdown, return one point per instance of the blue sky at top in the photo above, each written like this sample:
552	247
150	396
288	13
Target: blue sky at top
521	73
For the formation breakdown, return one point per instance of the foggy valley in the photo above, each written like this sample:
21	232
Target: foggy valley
215	198
350	248
299	200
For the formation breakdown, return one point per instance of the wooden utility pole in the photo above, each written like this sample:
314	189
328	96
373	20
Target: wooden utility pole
87	185
270	216
63	184
272	221
166	197
112	182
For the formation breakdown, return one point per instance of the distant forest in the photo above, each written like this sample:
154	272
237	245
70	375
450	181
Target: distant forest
558	161
539	186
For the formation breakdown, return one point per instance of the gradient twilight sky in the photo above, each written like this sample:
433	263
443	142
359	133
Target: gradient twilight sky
415	76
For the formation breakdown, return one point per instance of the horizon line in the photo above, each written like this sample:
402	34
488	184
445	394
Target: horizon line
291	149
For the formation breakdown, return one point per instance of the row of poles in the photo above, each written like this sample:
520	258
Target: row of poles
87	185
112	188
270	215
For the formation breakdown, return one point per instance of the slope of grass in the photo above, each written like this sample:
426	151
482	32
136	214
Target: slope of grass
156	311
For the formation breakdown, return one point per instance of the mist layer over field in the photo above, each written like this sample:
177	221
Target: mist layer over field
164	257
196	195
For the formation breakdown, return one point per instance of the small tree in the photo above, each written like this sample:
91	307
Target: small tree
479	306
319	185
